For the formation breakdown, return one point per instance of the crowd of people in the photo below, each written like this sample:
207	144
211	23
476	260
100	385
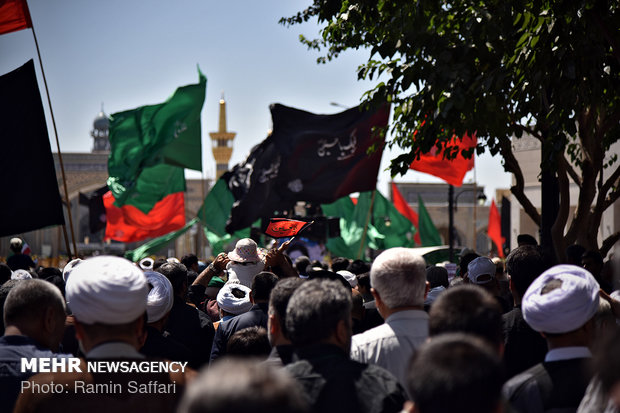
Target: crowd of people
257	331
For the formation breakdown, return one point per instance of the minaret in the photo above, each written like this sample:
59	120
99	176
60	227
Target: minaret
222	142
101	133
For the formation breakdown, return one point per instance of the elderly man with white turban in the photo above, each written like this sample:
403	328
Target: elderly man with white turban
108	297
158	305
560	304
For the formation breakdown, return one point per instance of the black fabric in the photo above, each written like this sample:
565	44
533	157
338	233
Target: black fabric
523	347
332	382
184	325
159	345
556	386
31	198
256	316
281	355
308	157
96	210
20	262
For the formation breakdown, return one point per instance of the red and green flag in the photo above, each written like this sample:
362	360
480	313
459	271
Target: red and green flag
168	133
403	207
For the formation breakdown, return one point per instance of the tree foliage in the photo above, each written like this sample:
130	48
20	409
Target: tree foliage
549	69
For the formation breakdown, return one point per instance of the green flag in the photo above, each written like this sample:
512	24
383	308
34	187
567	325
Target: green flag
428	232
167	133
156	244
219	242
352	221
397	230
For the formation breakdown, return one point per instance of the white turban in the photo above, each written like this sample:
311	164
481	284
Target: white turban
66	272
565	308
349	276
160	298
21	275
234	302
108	290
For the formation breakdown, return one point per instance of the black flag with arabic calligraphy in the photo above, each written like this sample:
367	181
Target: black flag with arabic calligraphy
307	157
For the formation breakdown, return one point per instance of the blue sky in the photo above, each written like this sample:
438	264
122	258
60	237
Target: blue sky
130	53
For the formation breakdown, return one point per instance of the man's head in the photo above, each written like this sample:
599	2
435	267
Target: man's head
455	373
481	271
234	299
437	276
36	308
398	278
278	300
340	263
262	284
358	267
235	385
561	300
249	342
190	261
593	262
107	296
16	245
464	262
524	264
319	311
176	273
467	309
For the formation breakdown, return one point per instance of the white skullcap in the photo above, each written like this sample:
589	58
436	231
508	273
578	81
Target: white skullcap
69	267
146	264
228	302
21	275
565	308
160	298
108	290
173	260
349	276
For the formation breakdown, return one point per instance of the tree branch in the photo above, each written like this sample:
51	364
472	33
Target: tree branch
608	243
511	165
557	230
571	171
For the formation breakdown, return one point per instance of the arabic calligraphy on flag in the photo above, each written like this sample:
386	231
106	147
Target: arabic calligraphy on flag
284	228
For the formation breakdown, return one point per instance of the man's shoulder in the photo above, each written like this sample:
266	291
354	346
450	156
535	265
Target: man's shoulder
522	381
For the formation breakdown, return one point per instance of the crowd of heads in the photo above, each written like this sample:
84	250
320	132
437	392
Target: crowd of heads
461	366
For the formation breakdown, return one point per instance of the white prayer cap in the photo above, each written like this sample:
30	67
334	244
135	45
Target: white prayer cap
69	267
349	276
108	290
160	298
173	260
146	264
565	308
234	298
20	275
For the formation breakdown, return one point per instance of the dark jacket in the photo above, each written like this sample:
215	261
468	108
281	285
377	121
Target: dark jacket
556	386
256	316
332	382
524	347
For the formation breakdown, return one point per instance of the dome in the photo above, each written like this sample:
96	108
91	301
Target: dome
101	121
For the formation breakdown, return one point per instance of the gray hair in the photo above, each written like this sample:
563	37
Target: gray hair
399	276
315	309
29	299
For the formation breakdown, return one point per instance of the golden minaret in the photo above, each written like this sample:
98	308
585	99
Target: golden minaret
222	142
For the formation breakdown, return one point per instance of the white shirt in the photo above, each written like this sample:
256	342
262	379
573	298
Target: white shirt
392	344
567	353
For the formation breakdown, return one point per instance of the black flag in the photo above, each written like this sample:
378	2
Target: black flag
308	157
96	210
30	196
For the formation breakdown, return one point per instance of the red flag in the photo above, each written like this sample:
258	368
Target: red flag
494	229
129	224
14	16
452	171
404	209
283	228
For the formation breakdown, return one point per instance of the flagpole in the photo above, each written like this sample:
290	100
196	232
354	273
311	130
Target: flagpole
475	207
372	202
62	168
